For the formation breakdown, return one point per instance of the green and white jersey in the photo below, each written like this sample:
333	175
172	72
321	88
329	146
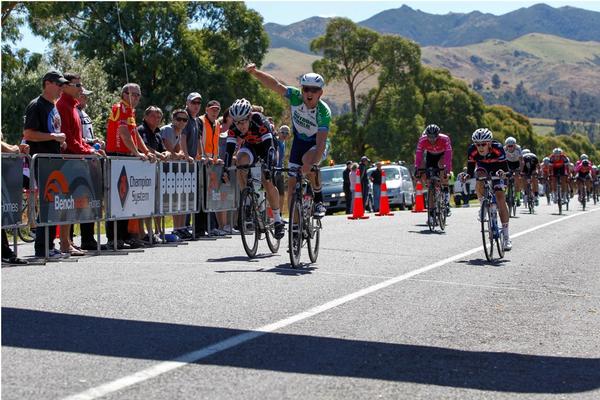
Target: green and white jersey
307	122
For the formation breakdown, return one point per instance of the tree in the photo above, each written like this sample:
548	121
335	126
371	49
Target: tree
477	84
163	54
496	81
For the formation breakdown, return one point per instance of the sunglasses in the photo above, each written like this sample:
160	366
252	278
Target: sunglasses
181	119
241	121
133	94
77	85
196	102
481	144
310	89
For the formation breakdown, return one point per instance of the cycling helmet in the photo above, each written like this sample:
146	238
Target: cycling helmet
546	160
525	151
312	79
482	135
432	130
585	163
583	157
557	151
240	109
510	141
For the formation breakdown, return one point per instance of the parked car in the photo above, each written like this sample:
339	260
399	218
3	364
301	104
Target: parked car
400	188
332	183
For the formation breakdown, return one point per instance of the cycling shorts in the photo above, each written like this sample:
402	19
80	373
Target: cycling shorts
497	182
584	176
560	171
514	165
299	149
254	152
433	160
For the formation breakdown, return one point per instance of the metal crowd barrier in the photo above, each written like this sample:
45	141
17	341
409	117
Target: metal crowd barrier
74	189
13	205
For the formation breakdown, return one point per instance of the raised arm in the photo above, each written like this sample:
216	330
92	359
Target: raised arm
267	80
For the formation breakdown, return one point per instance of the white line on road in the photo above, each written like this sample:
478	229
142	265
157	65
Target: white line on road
194	356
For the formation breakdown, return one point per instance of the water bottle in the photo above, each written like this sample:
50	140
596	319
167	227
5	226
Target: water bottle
97	146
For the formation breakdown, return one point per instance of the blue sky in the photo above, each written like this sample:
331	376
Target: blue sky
287	12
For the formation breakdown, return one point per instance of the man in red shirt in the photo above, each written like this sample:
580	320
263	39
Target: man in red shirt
123	139
75	144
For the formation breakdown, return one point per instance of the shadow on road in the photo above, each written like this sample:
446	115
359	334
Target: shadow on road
241	258
428	232
481	370
282	269
482	262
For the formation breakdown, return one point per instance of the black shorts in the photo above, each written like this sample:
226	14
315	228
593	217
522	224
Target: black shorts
497	182
560	171
254	151
514	165
432	160
584	176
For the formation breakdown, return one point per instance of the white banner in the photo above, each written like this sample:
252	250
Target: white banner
132	187
178	187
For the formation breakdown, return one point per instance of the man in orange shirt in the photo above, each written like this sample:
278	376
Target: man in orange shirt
123	139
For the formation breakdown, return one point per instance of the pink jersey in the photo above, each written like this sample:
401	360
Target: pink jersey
442	145
579	167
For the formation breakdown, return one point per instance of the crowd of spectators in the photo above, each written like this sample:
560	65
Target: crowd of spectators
56	123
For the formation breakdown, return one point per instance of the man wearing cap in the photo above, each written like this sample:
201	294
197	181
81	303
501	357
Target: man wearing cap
347	186
87	129
376	180
42	132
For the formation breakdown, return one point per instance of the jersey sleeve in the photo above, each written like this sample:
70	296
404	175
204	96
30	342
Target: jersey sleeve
419	153
294	95
448	153
323	117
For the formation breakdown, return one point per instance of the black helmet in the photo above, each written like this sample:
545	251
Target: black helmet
432	130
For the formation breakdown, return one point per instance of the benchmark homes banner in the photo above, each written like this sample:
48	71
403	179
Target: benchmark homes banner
70	190
132	187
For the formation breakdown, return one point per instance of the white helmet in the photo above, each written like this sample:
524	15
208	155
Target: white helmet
525	151
312	79
557	151
482	135
583	157
546	160
240	109
510	140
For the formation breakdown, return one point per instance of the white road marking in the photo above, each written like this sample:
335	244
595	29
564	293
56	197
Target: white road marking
194	356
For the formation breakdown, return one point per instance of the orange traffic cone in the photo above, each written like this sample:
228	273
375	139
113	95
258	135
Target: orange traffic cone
419	199
384	202
358	211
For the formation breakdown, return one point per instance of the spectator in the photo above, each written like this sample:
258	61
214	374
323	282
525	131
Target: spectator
42	132
364	180
86	122
210	131
451	182
8	256
172	138
347	186
376	180
123	139
226	123
150	133
72	128
279	180
465	186
88	241
354	179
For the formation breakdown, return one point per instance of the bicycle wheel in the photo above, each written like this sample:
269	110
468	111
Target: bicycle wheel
498	236
510	199
431	218
314	236
559	198
270	236
487	234
441	211
295	232
247	223
583	197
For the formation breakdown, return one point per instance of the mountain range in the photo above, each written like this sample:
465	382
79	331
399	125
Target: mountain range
453	29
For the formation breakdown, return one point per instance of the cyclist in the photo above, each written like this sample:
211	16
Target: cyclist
584	173
514	156
530	171
435	145
559	167
310	124
252	133
545	170
489	157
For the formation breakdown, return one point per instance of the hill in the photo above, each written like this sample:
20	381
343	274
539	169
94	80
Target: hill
453	29
549	67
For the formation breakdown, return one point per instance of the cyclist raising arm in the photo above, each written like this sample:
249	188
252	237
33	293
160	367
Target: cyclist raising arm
310	124
489	157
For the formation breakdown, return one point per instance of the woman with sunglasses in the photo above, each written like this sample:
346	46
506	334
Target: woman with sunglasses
435	146
489	157
310	124
251	132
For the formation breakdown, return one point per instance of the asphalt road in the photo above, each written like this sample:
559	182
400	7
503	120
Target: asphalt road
389	311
